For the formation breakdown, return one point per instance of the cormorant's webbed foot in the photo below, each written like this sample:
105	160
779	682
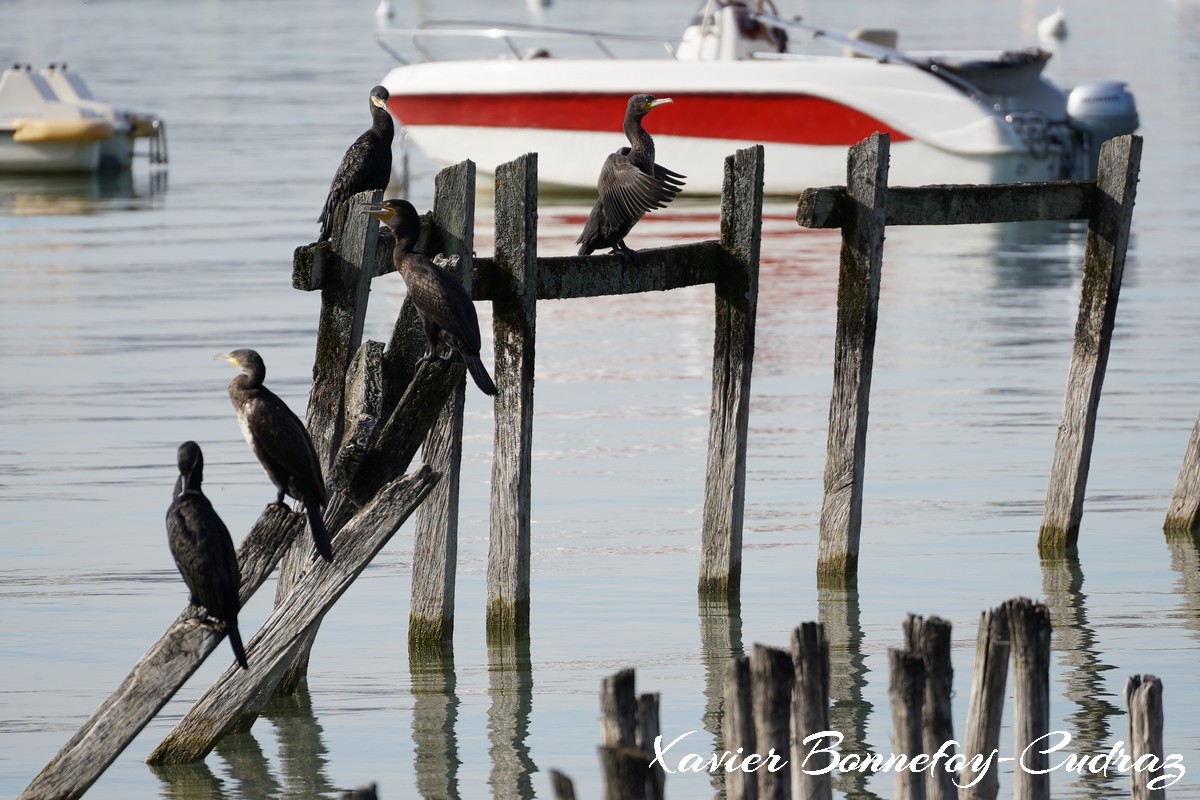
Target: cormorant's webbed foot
430	355
628	255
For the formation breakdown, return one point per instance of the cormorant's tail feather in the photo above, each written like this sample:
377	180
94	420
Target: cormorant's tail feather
235	642
479	374
320	534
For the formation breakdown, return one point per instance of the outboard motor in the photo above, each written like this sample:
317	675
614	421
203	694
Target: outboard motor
1100	111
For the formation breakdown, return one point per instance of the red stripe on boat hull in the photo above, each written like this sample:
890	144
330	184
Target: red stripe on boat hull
776	117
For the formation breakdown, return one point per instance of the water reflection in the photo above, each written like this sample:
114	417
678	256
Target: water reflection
302	752
838	611
248	766
1185	559
1075	640
302	760
435	714
510	685
80	194
189	781
720	640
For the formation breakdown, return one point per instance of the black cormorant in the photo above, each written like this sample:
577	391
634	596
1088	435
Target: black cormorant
630	184
445	307
203	549
366	165
280	441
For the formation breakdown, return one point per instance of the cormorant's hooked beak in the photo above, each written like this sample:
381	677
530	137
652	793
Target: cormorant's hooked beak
661	101
378	101
228	358
380	212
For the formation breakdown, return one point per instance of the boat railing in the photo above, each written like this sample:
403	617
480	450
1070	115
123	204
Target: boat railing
510	34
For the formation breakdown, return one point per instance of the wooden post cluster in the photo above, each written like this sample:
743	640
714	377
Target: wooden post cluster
862	209
775	700
629	725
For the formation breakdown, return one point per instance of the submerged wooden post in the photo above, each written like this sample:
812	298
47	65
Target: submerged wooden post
1029	631
1184	512
736	294
930	639
772	678
514	321
738	730
810	713
906	688
160	673
435	536
1143	696
859	273
1103	267
978	777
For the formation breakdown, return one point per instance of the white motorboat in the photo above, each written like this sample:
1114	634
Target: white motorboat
737	79
50	122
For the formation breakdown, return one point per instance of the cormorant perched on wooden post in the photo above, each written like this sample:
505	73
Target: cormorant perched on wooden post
280	441
366	165
630	185
203	549
446	310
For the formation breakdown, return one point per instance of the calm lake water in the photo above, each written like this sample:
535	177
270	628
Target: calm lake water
115	298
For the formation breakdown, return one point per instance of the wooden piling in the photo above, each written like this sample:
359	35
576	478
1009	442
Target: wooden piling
1183	514
739	729
514	322
1029	632
562	786
810	713
906	689
648	730
771	680
435	535
160	673
618	710
930	638
859	273
736	304
345	288
1143	696
1103	267
978	777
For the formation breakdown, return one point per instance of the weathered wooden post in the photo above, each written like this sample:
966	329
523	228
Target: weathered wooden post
1029	632
1143	695
810	713
859	273
930	639
906	688
771	680
514	322
978	777
1184	512
739	732
648	730
736	296
628	726
435	536
160	673
1103	267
